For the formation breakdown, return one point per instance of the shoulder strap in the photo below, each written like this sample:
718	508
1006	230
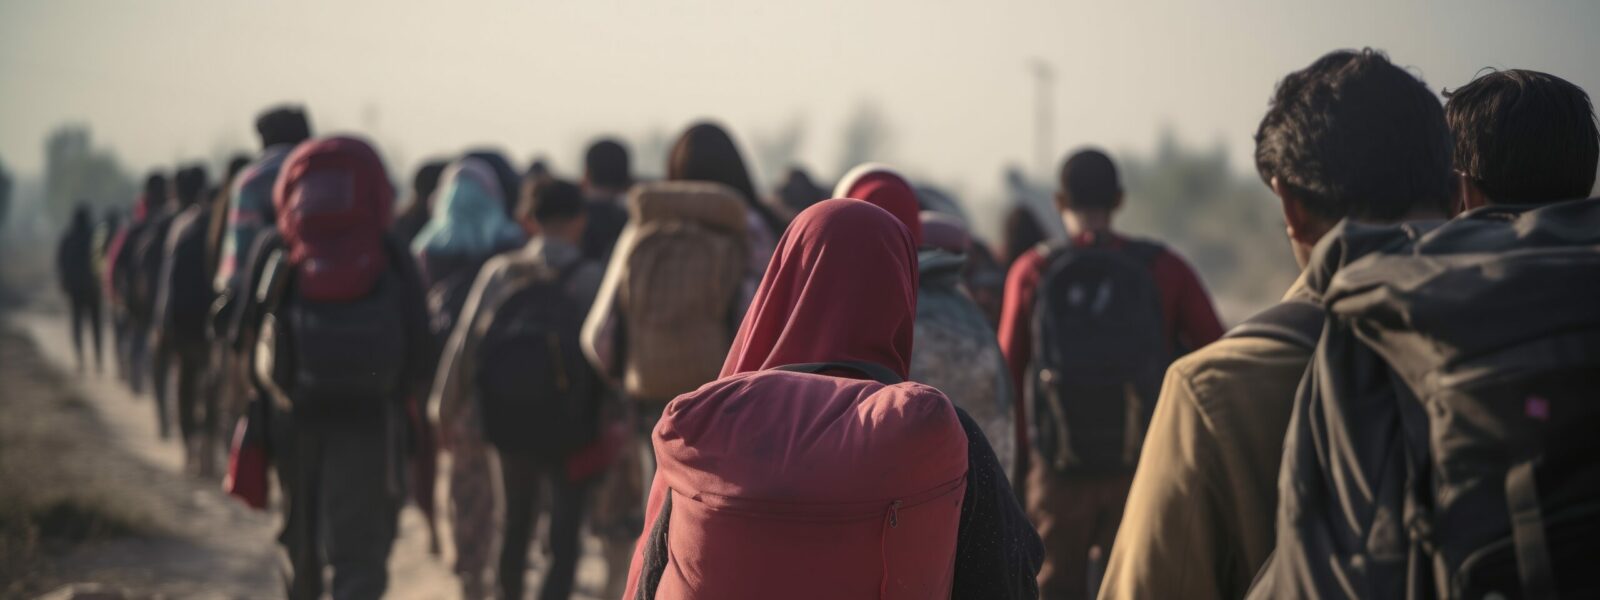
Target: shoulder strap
878	373
1296	322
1144	251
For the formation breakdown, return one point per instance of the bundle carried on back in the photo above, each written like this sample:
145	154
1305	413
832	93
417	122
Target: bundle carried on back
681	288
1444	440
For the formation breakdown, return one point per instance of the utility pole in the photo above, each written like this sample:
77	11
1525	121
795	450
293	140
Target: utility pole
1044	77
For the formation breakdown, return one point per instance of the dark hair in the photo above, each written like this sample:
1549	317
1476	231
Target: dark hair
1353	135
799	192
189	184
1524	136
237	164
1088	180
82	215
284	124
549	200
426	181
155	190
707	153
606	163
1022	232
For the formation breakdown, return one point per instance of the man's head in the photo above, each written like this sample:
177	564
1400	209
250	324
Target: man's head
283	125
425	182
1522	137
154	198
1089	191
552	207
1353	136
190	185
605	166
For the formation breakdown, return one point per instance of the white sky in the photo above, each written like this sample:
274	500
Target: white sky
166	80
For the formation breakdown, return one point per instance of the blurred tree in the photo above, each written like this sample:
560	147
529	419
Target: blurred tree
75	170
867	136
1227	223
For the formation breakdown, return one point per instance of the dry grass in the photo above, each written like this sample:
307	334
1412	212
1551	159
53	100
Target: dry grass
61	486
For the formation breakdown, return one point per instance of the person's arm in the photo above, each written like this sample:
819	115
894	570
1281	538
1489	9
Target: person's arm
1172	542
998	552
1197	324
1016	342
452	385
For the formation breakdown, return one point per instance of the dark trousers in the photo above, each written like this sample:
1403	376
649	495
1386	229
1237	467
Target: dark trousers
190	359
522	475
1074	513
86	308
342	506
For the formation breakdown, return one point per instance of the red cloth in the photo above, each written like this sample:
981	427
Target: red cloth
1189	319
889	191
334	203
788	485
842	286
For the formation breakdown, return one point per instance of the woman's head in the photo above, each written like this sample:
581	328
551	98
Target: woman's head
842	286
707	153
883	187
469	215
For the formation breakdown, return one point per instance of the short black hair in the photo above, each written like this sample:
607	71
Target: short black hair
1088	181
550	200
284	124
237	164
189	184
1524	136
155	187
1353	135
606	163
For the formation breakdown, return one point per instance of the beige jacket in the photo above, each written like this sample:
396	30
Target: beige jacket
1199	521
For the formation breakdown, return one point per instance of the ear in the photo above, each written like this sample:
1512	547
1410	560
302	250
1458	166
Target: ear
1468	194
1303	227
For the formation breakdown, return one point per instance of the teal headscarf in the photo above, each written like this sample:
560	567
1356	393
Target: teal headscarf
469	216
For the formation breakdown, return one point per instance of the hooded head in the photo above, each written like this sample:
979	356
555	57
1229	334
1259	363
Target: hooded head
842	286
469	217
944	232
883	187
510	182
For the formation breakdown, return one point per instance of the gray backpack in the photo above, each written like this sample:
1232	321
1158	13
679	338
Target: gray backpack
1444	441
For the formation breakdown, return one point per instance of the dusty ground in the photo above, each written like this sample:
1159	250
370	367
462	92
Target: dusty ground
88	493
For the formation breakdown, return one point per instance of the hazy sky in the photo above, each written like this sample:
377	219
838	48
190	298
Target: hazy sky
166	80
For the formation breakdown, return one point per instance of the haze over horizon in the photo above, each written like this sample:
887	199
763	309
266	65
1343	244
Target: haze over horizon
163	81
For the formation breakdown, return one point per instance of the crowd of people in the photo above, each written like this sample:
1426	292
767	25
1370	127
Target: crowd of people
849	395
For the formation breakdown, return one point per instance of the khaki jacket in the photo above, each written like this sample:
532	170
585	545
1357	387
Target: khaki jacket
1199	521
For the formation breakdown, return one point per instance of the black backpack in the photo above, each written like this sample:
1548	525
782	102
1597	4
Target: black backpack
144	248
332	361
1099	354
537	391
188	293
1444	442
603	225
446	297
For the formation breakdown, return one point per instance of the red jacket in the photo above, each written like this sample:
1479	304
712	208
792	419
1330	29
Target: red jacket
1190	320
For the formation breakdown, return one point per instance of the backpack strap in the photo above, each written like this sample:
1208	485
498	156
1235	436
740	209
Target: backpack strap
1296	322
878	373
1527	533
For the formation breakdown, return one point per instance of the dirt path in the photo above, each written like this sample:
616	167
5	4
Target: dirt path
207	545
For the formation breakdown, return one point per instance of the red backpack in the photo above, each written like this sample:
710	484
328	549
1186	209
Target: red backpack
334	205
334	320
790	484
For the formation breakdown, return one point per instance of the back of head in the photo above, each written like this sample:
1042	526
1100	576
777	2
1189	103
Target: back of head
283	125
1353	135
549	201
190	185
707	153
504	173
945	232
82	216
799	192
235	165
882	186
1088	182
1022	232
606	165
155	193
426	182
1524	137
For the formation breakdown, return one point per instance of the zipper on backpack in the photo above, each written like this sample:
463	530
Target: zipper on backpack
894	513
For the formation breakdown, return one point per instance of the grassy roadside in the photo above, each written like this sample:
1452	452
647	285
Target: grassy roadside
61	484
